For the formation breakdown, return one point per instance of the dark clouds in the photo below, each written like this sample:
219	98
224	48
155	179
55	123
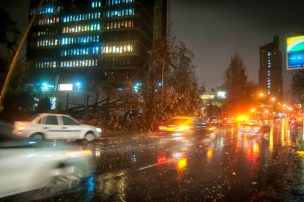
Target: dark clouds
215	30
18	10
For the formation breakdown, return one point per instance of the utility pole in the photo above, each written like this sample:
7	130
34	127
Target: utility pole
15	58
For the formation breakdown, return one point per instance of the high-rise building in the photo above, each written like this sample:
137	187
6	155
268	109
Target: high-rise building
71	39
270	72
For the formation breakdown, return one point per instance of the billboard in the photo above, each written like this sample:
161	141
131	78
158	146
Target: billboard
66	87
295	52
207	96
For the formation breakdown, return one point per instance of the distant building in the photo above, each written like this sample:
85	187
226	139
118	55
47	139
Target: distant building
72	40
270	72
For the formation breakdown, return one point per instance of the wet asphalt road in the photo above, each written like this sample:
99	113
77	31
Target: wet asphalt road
223	166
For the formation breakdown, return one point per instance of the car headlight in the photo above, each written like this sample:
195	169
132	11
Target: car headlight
182	128
98	130
211	128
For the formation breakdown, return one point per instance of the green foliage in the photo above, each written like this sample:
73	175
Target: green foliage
44	105
18	99
172	63
169	62
9	33
235	78
240	90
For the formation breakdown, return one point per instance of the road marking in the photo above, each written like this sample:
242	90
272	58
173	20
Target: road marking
149	166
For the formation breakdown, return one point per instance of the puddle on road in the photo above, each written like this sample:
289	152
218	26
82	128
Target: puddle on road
226	167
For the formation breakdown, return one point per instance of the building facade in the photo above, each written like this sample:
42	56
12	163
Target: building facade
73	40
270	72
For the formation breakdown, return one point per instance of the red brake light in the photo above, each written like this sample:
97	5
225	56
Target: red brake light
161	159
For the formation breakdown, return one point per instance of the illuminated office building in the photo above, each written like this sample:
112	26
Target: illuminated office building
71	39
270	72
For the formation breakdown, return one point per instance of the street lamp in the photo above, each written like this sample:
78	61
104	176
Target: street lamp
77	86
261	94
273	99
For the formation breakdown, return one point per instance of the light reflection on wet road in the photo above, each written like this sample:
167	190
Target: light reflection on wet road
224	166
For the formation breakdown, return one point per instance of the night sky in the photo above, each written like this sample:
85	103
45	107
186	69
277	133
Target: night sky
216	29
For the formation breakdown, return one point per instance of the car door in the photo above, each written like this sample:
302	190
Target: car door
14	166
71	128
51	127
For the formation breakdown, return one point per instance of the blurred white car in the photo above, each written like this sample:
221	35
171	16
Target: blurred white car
56	126
27	165
254	127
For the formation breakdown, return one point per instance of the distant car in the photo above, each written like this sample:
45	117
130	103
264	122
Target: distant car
296	125
185	125
56	126
228	122
213	120
254	127
28	165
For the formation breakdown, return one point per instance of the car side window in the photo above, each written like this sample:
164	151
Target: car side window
197	121
40	121
51	120
68	121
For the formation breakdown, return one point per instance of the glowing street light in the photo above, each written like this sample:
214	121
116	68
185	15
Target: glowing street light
261	94
273	99
77	86
253	110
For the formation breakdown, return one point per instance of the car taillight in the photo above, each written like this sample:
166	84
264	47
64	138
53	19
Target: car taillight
20	127
161	159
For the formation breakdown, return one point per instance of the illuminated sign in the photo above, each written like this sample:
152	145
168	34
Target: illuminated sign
207	96
221	94
53	103
295	52
66	87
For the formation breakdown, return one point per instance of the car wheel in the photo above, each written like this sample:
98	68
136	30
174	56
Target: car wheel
89	137
57	183
37	136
